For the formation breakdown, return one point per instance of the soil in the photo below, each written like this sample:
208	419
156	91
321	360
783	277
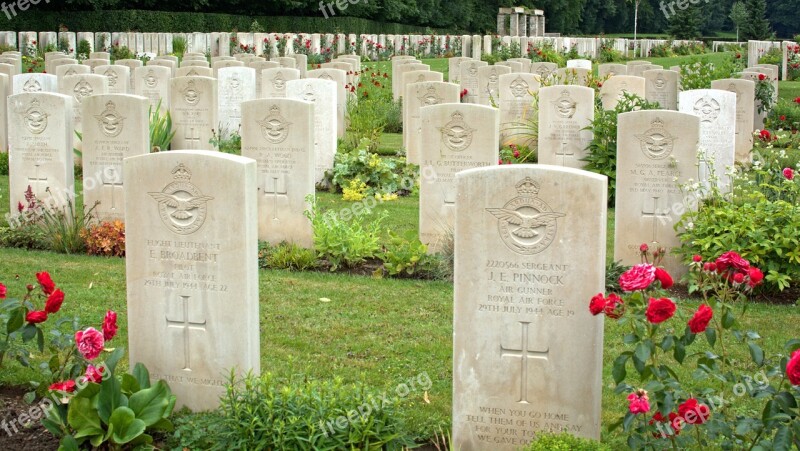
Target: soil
13	436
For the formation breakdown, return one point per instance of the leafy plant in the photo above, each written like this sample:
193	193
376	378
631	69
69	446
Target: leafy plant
602	151
63	227
118	411
514	154
379	175
4	163
666	410
405	255
178	46
765	94
260	412
106	239
161	132
344	240
551	441
226	142
119	52
286	256
84	49
785	115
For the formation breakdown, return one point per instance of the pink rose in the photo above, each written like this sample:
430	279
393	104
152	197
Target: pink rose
94	374
637	278
90	342
3	291
788	173
638	402
733	261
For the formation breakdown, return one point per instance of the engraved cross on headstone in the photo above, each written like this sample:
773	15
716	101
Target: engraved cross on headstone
193	138
113	181
564	152
37	180
275	186
448	197
187	325
655	214
524	354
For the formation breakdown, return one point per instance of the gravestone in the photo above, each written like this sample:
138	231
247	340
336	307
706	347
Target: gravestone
192	270
118	77
526	63
95	63
638	70
611	70
4	92
279	135
273	81
662	86
226	64
745	107
193	108
80	87
417	96
301	63
153	82
35	82
513	65
656	153
579	64
40	151
171	65
234	86
322	93
489	84
100	56
544	70
469	79
527	353
192	71
517	108
116	127
564	113
454	68
409	78
339	77
70	69
286	62
259	67
717	112
402	69
131	64
612	89
455	137
758	116
195	63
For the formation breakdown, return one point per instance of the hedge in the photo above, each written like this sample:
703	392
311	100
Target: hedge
188	22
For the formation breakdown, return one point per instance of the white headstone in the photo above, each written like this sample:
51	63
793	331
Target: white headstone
322	93
417	96
517	112
193	108
35	82
564	113
153	82
234	86
717	112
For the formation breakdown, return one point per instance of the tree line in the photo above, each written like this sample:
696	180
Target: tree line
569	17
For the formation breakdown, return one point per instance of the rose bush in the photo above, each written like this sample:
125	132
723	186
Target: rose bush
679	398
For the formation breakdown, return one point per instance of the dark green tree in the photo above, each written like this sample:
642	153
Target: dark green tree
685	23
757	26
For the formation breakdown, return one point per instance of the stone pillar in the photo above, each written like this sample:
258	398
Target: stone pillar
501	24
533	29
523	26
541	26
476	47
514	24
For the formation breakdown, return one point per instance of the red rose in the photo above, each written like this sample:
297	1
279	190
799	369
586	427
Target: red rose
738	277
659	310
755	276
3	291
701	318
637	278
66	386
53	304
644	248
696	258
664	277
598	302
638	402
93	374
693	412
731	260
797	100
36	317
762	77
90	342
793	368
109	325
614	306
783	118
788	173
46	282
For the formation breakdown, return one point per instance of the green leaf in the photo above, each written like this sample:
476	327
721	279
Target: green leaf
89	390
627	421
728	319
126	426
642	352
113	359
28	332
142	375
130	384
783	439
711	336
68	443
150	405
40	339
756	353
618	370
680	352
16	320
110	398
82	416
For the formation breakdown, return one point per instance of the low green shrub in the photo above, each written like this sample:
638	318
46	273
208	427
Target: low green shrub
785	115
406	256
260	412
759	217
4	162
344	239
84	49
546	441
286	256
380	176
602	151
